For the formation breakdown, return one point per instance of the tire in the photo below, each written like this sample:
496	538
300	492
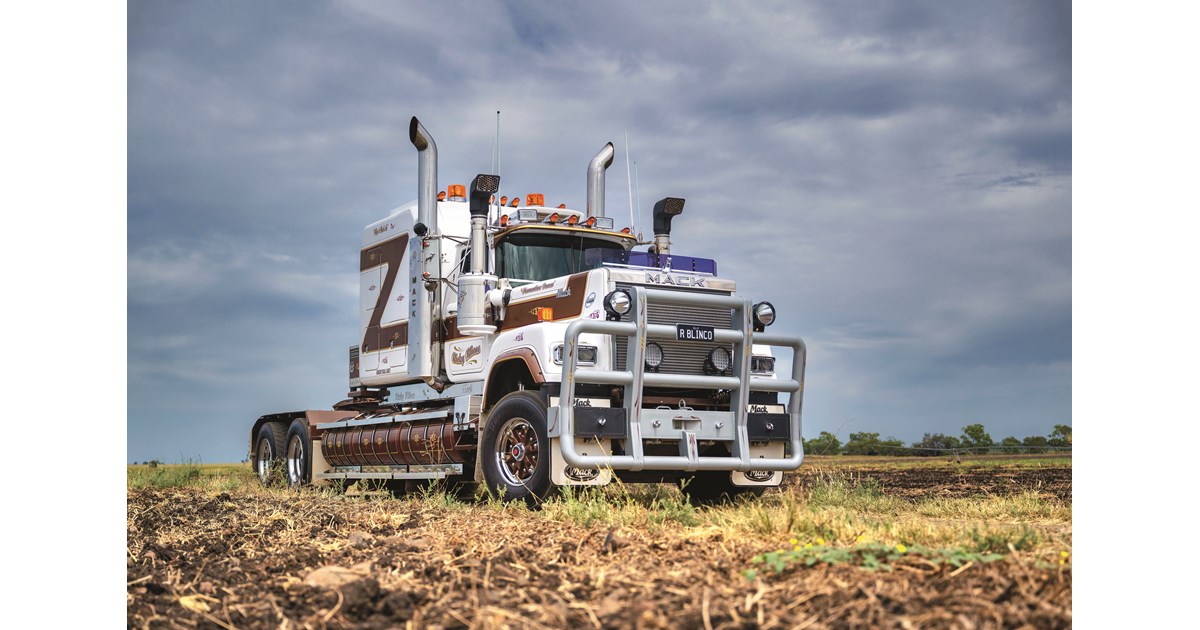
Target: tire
298	455
713	487
515	450
268	452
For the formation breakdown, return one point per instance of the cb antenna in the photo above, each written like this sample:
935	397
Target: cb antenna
496	170
629	182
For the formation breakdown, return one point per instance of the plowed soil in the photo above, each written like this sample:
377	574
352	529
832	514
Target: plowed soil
308	559
926	481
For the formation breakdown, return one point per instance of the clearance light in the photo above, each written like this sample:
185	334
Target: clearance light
514	202
591	222
535	199
457	192
573	219
491	200
626	231
552	219
562	206
442	196
503	220
503	200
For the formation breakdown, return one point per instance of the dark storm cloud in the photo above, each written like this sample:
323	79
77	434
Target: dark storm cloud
896	178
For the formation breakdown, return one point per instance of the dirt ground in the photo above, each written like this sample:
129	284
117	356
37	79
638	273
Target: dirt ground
926	481
305	559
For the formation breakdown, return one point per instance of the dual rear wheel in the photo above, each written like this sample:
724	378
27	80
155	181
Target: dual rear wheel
283	453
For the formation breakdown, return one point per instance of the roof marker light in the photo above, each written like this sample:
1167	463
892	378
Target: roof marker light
442	196
514	202
552	219
572	220
562	206
503	200
626	231
591	222
503	220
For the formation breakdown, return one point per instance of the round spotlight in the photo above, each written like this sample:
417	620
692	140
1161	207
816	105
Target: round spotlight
717	361
764	314
653	356
617	303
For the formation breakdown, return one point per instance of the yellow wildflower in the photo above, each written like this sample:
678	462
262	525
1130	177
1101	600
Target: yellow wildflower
820	541
1063	554
808	545
901	548
796	548
794	542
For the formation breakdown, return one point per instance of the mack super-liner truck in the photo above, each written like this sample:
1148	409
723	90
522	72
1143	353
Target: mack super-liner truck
525	347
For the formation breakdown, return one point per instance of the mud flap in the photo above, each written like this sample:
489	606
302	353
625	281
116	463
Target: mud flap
563	474
764	478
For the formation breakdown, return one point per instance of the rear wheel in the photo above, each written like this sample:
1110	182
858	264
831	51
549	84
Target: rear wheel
268	452
515	448
299	454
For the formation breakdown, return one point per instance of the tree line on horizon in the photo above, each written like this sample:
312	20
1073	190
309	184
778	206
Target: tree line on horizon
974	439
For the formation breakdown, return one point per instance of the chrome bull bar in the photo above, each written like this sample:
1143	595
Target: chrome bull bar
634	377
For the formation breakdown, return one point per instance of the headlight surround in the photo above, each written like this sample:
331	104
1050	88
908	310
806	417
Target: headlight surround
764	314
653	356
587	354
617	303
717	361
762	365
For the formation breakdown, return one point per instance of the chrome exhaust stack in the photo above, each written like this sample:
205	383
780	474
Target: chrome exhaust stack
595	180
425	260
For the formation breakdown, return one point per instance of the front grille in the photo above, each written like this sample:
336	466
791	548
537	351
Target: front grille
679	357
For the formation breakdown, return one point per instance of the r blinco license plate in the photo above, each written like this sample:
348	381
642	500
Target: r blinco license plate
691	332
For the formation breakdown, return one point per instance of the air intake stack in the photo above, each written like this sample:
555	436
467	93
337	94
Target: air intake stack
664	210
473	286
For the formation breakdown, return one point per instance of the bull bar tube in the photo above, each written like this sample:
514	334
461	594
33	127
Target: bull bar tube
643	421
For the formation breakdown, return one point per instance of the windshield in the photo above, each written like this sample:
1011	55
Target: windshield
537	257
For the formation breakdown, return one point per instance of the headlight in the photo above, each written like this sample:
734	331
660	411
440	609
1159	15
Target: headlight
617	303
764	314
762	365
717	361
587	354
654	356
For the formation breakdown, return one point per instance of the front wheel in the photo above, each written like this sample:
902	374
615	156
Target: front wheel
299	454
515	448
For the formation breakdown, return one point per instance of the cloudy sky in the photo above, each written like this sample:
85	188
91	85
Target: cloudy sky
894	177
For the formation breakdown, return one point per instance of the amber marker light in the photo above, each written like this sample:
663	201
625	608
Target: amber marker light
626	231
442	196
591	222
572	220
514	202
503	220
562	206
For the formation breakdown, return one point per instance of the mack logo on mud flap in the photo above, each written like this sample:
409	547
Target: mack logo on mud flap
673	280
581	474
759	475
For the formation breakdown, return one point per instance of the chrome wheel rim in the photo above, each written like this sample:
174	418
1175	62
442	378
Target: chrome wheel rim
263	460
295	461
517	452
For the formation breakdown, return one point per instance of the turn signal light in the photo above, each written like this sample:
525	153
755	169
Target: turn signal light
545	314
